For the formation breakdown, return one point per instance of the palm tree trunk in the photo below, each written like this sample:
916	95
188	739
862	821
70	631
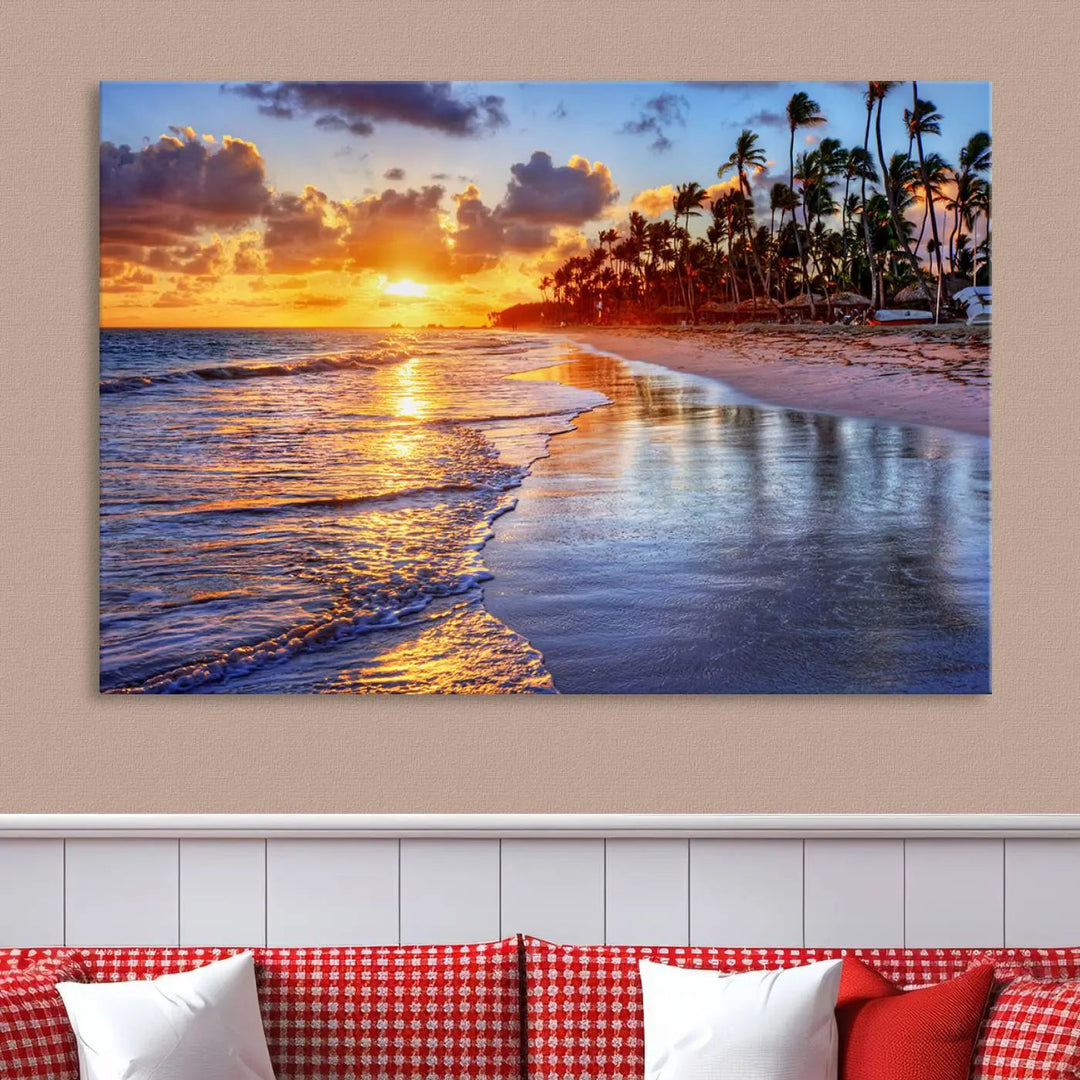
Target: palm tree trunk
746	233
865	219
954	235
890	196
794	218
731	267
930	209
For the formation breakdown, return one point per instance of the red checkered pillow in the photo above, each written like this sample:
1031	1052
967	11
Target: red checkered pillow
441	1012
36	1039
583	1002
1031	1033
1031	963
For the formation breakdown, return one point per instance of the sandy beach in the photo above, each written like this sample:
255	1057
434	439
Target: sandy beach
683	540
938	376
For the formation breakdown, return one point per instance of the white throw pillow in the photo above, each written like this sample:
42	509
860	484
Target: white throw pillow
757	1025
196	1025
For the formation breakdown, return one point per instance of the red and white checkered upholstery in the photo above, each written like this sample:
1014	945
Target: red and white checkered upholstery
583	1002
36	1040
440	1012
1032	1032
1031	963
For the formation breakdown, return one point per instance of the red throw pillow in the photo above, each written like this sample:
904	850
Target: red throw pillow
1032	1032
36	1039
891	1034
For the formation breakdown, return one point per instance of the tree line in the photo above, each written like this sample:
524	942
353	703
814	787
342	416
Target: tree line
847	220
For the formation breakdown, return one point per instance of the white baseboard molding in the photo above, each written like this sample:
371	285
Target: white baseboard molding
541	826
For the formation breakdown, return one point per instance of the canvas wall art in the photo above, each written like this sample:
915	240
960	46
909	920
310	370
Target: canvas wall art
585	387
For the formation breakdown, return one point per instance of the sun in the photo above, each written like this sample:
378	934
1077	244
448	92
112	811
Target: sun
405	287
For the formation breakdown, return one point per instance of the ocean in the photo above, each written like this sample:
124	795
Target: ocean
298	511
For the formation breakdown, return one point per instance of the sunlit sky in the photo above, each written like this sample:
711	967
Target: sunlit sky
367	204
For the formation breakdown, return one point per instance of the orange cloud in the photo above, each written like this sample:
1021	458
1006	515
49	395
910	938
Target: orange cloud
653	202
192	234
714	191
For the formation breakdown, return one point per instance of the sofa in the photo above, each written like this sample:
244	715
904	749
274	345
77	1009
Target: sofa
521	1008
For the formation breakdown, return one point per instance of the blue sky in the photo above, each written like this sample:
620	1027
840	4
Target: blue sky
344	166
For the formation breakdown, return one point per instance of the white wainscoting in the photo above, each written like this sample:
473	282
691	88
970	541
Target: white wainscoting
724	880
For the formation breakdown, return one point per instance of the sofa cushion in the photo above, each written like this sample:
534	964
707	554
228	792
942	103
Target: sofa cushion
924	1034
446	1012
1032	1032
583	1002
36	1039
186	1024
1030	963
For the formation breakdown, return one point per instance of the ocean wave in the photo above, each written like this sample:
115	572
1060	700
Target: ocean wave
334	502
343	622
365	360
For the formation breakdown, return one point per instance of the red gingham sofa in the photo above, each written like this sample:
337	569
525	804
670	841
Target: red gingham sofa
527	1009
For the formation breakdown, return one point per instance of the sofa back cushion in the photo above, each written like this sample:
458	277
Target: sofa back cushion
583	1002
446	1012
36	1039
1031	963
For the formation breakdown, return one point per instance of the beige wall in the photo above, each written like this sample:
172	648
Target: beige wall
64	748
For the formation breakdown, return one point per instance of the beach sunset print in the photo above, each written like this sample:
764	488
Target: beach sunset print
545	387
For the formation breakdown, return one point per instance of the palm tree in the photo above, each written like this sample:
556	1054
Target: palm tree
870	99
880	91
781	198
687	199
924	119
654	263
802	111
940	173
857	166
747	152
972	164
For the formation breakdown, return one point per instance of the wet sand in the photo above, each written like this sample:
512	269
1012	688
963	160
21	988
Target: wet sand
938	376
682	540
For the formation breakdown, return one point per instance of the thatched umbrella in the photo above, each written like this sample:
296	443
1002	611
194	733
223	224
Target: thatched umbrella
759	306
712	310
917	293
849	300
803	301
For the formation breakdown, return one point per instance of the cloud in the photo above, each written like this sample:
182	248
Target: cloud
657	201
484	233
171	189
397	301
399	233
657	116
767	118
357	107
248	258
653	202
396	173
542	193
314	300
303	232
194	259
119	277
714	191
